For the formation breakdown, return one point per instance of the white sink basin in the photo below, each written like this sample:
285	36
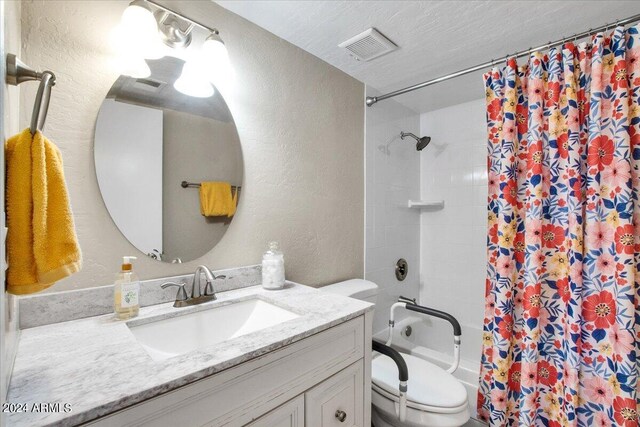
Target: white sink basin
173	336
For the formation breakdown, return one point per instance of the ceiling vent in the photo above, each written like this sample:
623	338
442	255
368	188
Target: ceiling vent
368	45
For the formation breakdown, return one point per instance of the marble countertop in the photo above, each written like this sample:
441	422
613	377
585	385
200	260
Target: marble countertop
96	366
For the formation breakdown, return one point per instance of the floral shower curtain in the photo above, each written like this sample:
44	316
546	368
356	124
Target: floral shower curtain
561	340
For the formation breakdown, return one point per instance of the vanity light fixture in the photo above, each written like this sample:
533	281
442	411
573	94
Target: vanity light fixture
138	17
145	34
216	59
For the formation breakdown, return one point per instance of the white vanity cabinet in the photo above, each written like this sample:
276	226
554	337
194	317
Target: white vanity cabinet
291	414
323	380
337	401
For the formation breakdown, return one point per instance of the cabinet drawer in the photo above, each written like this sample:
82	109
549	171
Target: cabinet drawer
291	414
337	401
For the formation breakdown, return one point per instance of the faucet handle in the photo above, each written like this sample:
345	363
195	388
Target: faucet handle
181	295
208	288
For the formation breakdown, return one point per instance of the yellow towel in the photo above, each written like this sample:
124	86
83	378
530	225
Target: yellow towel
42	246
216	199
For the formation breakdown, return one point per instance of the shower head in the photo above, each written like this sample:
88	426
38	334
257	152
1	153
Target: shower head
421	142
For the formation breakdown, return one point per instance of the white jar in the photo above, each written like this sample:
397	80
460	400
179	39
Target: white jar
273	268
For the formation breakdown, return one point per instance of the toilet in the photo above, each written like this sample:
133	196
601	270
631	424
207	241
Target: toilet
435	398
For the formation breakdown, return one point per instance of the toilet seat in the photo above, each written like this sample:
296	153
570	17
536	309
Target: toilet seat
430	388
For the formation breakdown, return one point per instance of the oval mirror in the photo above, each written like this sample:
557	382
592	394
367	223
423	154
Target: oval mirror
153	148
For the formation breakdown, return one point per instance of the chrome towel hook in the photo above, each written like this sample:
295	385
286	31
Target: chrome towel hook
18	72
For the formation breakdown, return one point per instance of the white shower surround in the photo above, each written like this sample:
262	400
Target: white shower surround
392	229
453	240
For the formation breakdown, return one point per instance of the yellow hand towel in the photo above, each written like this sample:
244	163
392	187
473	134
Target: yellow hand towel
217	199
42	246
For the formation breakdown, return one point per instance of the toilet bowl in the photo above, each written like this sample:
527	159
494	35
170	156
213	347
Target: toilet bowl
434	396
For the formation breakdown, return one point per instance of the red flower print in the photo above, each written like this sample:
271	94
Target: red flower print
521	119
564	290
510	192
625	412
532	301
505	326
534	158
619	75
552	235
553	92
547	374
494	109
600	152
493	234
563	145
625	239
515	373
600	308
519	247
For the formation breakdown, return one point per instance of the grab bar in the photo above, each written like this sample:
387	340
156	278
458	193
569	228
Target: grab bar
410	304
403	375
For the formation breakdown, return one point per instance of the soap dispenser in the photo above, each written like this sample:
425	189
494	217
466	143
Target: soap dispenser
273	268
126	294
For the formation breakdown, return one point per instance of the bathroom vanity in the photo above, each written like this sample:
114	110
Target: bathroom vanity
293	357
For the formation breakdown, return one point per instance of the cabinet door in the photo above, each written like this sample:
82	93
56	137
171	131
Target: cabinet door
291	414
337	401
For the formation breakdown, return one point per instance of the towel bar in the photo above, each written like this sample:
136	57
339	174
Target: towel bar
185	184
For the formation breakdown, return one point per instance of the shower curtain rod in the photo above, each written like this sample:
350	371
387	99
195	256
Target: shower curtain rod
373	99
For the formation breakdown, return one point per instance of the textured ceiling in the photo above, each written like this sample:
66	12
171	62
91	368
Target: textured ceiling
435	37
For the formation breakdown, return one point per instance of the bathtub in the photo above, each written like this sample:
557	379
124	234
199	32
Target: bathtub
468	370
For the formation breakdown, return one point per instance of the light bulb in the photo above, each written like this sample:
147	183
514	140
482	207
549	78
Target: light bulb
139	32
216	59
138	19
193	82
214	50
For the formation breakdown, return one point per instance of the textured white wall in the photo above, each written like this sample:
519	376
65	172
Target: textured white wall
453	240
299	119
392	229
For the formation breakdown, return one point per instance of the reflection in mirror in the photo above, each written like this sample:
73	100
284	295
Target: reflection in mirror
150	138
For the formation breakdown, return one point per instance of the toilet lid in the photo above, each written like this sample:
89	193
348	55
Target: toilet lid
428	384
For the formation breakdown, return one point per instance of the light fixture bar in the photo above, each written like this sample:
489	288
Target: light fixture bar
189	20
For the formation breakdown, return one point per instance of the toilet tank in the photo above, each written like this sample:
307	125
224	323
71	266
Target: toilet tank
355	288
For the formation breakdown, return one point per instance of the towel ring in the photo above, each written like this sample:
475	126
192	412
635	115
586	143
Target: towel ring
18	72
